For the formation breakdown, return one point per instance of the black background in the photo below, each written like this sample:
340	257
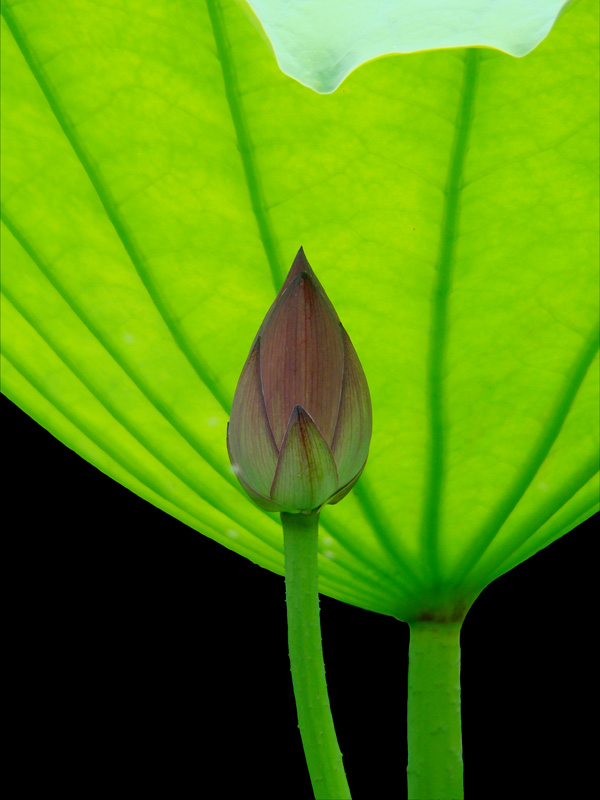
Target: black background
146	657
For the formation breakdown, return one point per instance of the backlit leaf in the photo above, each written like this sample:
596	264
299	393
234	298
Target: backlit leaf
160	174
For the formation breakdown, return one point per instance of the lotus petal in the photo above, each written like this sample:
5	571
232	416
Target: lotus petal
355	421
306	475
302	359
261	501
299	265
251	447
345	489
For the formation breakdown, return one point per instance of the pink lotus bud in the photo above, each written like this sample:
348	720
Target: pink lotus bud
300	425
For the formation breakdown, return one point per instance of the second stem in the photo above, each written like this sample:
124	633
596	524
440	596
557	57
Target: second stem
435	765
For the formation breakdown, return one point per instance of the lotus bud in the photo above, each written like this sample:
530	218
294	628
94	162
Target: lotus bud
301	421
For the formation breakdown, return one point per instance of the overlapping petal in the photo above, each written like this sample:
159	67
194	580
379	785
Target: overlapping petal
352	436
252	450
306	475
299	265
302	393
302	358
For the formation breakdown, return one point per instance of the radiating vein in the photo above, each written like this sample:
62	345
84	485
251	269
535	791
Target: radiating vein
105	197
527	552
365	590
542	515
186	433
244	141
338	566
438	333
552	428
136	258
361	554
143	440
383	530
102	445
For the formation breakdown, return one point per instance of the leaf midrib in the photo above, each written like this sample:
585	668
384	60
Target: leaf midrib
438	332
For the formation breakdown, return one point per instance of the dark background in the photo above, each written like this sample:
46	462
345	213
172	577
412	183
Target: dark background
146	657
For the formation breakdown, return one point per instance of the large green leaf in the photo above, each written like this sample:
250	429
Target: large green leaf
320	43
159	175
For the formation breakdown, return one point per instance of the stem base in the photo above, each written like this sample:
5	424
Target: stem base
435	765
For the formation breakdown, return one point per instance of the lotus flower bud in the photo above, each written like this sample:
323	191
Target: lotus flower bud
300	425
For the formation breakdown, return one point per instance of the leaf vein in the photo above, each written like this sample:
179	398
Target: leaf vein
579	481
244	141
114	412
382	530
110	206
145	480
438	332
186	434
491	527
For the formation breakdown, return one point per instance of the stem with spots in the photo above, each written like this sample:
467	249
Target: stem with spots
435	765
323	756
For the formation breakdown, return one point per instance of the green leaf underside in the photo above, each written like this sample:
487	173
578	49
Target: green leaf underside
319	43
159	174
306	475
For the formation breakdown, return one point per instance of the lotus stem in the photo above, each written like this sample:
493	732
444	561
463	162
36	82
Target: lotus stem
323	755
435	765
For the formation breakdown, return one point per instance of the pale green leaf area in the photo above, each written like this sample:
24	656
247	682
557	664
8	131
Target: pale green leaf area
320	42
160	174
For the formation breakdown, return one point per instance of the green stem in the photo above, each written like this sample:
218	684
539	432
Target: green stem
323	756
435	766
